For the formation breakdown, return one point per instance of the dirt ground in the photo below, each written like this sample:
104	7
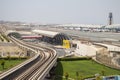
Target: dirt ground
12	50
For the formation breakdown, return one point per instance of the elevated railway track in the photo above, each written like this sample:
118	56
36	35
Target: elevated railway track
35	68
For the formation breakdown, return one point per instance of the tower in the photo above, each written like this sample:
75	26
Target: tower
110	18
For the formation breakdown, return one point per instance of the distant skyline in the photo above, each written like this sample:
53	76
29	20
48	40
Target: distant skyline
60	11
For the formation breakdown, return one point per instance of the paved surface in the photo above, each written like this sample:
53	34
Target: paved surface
60	51
95	36
110	47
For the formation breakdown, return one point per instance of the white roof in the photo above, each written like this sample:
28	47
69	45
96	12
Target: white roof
81	25
46	33
113	26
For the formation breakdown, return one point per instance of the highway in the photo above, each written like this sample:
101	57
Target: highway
35	68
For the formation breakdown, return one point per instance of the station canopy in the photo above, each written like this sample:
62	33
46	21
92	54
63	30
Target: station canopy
46	33
52	37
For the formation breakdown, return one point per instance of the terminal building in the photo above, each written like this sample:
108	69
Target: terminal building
113	27
52	37
91	27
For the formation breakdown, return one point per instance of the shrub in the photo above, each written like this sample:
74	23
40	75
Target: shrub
73	59
15	34
14	58
2	63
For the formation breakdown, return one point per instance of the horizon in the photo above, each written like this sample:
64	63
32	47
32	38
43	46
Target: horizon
60	12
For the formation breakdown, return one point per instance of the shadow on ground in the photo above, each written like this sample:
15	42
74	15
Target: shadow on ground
59	71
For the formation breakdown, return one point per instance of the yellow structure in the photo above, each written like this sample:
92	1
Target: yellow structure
66	43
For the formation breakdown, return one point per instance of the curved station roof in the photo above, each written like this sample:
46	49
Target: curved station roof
46	33
52	37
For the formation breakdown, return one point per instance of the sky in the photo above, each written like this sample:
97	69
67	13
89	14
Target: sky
60	11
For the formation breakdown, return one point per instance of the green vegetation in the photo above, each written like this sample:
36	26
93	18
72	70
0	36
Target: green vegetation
7	64
73	58
82	69
14	58
15	34
66	76
2	63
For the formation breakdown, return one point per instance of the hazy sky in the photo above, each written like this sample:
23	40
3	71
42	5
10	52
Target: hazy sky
60	11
